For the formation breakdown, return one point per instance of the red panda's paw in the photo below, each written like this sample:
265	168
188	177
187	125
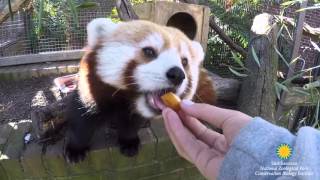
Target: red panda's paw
129	147
72	155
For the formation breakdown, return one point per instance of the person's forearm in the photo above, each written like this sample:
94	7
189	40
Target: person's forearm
253	153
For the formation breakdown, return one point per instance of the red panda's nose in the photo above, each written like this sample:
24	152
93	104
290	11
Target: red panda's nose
175	75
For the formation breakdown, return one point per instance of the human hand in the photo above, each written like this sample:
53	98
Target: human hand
201	146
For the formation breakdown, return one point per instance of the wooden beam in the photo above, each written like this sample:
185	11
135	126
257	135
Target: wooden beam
42	57
297	39
257	96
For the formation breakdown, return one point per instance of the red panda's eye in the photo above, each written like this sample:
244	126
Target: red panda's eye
184	61
149	52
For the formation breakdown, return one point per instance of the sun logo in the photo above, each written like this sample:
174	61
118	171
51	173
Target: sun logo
284	151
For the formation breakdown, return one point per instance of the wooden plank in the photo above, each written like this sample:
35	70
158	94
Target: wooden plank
42	57
297	39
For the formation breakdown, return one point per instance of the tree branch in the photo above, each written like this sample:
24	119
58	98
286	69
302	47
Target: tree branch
226	38
125	10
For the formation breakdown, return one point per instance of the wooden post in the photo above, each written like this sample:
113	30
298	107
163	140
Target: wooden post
295	54
257	95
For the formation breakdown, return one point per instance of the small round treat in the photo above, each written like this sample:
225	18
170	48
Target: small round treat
171	100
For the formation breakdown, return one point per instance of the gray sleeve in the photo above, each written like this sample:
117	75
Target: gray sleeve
253	153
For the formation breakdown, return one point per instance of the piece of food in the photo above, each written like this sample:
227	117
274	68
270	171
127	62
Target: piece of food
171	100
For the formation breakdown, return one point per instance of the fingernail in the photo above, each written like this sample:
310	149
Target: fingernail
186	103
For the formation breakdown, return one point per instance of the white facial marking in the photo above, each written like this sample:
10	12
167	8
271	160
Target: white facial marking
154	40
194	67
184	50
111	62
152	76
142	107
186	54
98	29
199	51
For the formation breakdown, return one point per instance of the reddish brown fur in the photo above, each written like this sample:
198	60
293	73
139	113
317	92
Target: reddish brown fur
95	91
205	91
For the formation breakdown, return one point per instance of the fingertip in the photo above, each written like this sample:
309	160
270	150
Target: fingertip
185	103
167	113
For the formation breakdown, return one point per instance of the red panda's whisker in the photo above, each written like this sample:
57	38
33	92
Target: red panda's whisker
113	94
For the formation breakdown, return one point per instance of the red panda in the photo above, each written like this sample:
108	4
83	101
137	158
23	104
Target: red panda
128	66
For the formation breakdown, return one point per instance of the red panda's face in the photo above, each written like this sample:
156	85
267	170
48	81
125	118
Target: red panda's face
145	57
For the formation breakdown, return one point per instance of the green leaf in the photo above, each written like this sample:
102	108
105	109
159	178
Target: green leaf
281	56
282	87
287	81
312	68
315	46
289	3
290	36
40	14
316	117
316	6
74	12
85	5
255	57
277	91
237	59
301	92
237	73
280	31
294	60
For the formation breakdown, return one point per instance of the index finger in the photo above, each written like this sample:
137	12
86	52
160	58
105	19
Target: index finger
182	138
230	121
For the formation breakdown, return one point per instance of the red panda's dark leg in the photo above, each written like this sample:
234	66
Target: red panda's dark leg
81	127
128	139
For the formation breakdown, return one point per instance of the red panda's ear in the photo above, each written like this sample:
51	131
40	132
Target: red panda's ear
198	51
205	91
98	29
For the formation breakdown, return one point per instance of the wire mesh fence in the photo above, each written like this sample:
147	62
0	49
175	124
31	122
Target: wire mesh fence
60	30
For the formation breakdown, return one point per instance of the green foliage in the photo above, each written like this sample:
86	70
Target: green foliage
54	15
114	15
236	24
237	21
